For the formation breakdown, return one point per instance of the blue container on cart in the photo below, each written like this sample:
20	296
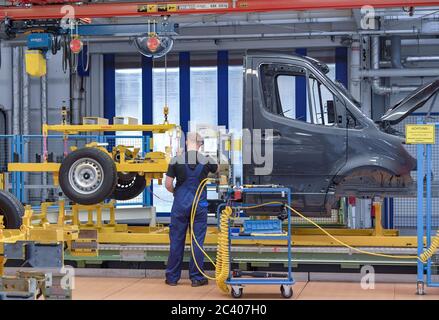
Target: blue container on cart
263	226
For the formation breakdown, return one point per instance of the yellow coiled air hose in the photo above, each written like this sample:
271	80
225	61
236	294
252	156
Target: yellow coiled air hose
430	251
223	258
222	253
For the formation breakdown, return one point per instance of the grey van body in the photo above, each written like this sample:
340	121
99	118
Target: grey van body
354	156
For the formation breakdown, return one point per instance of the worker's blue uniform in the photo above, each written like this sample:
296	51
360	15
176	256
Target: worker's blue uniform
180	220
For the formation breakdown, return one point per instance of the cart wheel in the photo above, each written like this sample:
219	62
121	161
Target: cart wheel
236	292
88	176
11	209
129	188
286	291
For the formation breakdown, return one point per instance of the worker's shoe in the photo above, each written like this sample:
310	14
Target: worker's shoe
169	283
199	283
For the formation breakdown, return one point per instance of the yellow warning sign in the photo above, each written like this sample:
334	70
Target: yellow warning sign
152	8
148	8
420	133
172	8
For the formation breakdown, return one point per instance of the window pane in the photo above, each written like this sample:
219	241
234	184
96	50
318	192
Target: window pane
129	96
173	94
129	104
162	198
235	97
287	95
204	95
235	113
322	100
286	88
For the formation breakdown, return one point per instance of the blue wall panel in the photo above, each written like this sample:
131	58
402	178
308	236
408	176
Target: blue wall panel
109	87
185	90
301	95
341	65
147	95
147	111
223	88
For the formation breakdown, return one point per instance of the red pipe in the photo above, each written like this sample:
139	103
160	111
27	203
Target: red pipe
101	10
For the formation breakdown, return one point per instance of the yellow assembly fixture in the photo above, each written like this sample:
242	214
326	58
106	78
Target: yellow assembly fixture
35	63
153	167
2	181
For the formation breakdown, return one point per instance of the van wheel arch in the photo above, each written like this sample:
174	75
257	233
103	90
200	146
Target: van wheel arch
375	175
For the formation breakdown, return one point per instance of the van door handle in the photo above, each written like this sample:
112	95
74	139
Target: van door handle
276	136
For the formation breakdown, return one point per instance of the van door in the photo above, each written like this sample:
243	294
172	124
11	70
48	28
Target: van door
308	149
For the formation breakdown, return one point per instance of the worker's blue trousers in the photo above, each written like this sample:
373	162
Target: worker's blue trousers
180	221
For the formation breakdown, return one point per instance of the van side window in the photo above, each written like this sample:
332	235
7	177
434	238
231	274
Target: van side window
286	85
322	107
279	89
280	83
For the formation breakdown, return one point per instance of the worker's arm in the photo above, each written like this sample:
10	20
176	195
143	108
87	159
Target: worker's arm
212	165
170	175
169	184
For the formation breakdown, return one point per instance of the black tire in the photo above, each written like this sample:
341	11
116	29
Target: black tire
236	294
129	189
88	176
286	291
11	209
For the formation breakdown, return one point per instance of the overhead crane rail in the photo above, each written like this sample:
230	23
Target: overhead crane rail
125	9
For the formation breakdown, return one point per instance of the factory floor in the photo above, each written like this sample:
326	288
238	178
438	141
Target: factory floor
111	288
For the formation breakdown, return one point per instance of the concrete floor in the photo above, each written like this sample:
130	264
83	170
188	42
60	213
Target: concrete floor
103	288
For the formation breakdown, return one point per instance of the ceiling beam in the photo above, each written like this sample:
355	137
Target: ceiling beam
125	9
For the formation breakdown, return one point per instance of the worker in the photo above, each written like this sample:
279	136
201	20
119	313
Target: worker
189	168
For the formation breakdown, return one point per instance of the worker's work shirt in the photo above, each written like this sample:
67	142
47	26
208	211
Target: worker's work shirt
177	168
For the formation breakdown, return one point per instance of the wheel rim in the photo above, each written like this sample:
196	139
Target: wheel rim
126	184
86	176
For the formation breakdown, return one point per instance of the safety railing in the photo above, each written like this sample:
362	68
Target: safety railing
424	210
402	211
35	187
